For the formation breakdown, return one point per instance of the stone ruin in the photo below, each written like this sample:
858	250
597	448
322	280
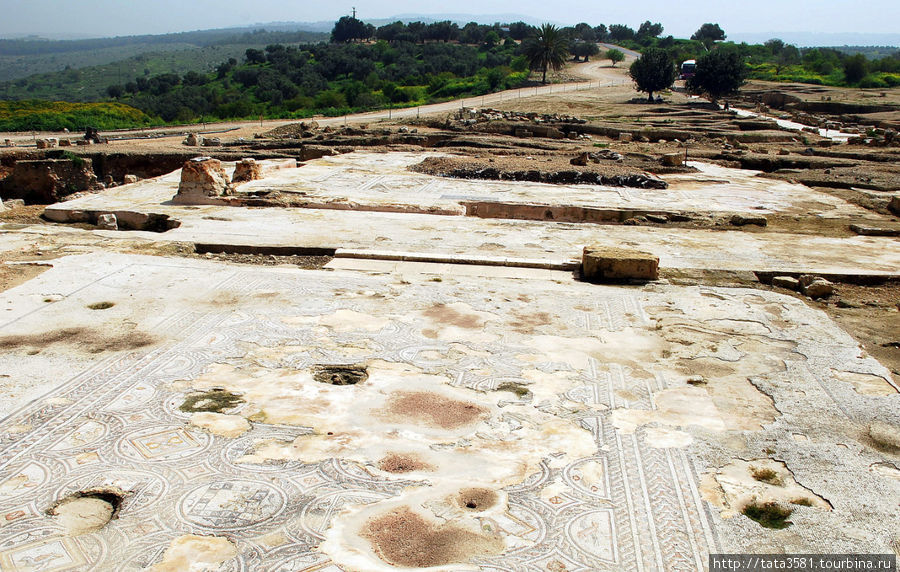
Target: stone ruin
203	180
246	170
49	180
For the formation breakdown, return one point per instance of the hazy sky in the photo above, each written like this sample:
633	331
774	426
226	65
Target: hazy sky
679	17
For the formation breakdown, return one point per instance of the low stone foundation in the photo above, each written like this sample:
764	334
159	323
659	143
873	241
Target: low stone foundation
603	264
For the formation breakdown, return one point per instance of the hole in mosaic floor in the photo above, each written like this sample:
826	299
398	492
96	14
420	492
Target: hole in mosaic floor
341	374
477	498
88	510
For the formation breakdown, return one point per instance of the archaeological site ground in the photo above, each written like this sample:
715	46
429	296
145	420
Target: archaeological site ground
557	329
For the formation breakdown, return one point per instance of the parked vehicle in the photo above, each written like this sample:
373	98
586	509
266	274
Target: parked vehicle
688	69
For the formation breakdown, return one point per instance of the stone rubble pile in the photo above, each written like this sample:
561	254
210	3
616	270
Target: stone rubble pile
472	115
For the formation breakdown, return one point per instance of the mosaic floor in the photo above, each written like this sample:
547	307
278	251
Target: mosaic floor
546	364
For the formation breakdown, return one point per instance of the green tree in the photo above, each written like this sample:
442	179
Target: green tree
520	30
619	32
584	32
855	68
546	49
653	71
718	73
348	29
255	56
648	31
709	34
615	56
585	50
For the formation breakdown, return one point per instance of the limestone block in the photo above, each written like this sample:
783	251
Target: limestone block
788	282
65	142
580	161
192	140
744	220
605	264
672	159
819	288
129	179
202	181
246	170
107	222
625	136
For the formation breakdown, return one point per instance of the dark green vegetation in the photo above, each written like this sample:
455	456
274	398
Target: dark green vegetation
654	71
719	73
58	115
214	400
768	515
334	79
406	65
775	60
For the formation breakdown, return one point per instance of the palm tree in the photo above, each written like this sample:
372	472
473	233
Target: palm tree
547	48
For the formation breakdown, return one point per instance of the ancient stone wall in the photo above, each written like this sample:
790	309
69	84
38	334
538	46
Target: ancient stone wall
49	180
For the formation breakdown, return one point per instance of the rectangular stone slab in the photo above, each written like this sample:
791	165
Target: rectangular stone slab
605	264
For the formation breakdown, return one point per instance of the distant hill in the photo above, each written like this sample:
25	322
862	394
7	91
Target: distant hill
28	56
31	55
810	39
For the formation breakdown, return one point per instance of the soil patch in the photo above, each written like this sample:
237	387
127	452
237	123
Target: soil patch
87	339
13	275
402	463
403	538
444	314
434	409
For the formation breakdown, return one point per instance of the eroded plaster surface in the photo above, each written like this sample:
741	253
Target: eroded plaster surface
520	424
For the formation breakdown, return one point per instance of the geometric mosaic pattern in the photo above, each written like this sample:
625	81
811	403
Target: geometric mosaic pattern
117	422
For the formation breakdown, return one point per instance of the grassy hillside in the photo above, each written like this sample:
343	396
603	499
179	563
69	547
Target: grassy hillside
90	83
17	66
58	115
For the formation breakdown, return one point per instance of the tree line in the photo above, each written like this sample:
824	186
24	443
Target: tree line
366	67
336	78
